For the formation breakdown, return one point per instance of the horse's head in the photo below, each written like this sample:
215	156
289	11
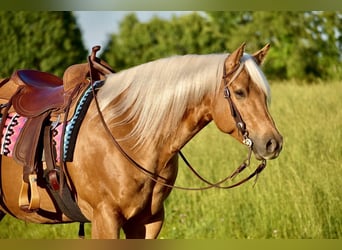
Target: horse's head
241	106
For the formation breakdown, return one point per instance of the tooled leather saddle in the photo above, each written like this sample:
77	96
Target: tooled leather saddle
43	98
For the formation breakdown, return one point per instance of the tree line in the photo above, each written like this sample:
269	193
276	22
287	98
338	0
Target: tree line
306	46
46	41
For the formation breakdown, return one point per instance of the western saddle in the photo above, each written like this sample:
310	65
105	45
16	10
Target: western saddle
44	98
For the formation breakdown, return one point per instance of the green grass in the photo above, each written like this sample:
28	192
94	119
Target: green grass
297	196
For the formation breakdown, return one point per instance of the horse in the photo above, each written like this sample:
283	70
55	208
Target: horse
151	111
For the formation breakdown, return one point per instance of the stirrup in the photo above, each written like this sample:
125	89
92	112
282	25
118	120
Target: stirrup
32	203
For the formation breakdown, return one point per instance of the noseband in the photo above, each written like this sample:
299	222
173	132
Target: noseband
240	124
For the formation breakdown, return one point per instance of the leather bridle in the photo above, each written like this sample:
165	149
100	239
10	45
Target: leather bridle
239	123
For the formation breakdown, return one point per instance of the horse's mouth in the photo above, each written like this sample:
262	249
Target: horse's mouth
267	155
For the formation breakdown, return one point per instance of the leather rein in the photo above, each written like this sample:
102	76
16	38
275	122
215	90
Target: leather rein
239	123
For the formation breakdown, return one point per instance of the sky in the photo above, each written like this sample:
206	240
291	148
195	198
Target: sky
96	26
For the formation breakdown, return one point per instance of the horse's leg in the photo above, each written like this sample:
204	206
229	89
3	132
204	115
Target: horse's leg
134	230
137	229
106	224
153	228
2	215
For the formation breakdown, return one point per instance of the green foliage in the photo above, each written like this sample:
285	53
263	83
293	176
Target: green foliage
303	42
46	41
297	196
305	45
138	43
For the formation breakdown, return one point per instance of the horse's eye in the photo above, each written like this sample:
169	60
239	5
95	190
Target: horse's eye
240	93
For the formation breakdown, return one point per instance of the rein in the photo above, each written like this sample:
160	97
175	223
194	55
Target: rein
239	123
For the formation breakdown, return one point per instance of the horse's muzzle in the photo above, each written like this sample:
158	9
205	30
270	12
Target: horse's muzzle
269	148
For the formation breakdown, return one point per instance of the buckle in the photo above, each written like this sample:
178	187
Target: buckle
226	92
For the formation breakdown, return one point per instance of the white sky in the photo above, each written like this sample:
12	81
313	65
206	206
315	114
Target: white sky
96	26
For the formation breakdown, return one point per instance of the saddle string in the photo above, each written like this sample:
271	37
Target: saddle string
155	177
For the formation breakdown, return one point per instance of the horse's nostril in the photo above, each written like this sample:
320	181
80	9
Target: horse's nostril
272	146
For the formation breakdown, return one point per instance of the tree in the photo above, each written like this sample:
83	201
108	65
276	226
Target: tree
305	45
45	41
137	42
328	30
229	24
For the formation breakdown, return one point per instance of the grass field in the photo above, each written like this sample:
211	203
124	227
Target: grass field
297	196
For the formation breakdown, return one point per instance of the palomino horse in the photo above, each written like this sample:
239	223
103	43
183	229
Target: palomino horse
152	110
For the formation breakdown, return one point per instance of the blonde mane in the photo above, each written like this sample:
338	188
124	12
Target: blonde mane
156	94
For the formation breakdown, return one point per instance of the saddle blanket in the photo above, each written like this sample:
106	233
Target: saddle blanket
13	125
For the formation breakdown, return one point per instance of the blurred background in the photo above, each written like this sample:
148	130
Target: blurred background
306	46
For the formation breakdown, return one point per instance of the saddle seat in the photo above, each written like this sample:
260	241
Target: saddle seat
38	79
41	91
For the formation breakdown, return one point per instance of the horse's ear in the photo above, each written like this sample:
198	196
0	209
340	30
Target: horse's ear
234	58
260	55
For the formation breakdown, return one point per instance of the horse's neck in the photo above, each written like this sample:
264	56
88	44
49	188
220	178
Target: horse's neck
193	121
163	149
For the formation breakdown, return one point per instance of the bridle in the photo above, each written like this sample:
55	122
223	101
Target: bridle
240	124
